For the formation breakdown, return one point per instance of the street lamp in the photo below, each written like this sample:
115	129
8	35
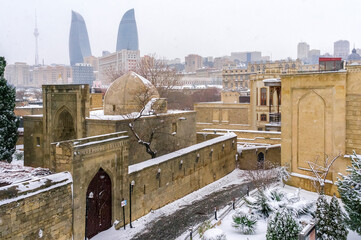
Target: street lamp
131	185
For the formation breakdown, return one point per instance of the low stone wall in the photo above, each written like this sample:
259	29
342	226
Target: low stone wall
248	157
250	136
37	209
162	180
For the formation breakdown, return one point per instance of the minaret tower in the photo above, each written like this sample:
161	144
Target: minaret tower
36	34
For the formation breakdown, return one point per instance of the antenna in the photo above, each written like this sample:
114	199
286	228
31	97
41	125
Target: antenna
36	35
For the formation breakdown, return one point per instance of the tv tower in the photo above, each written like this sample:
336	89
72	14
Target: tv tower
36	34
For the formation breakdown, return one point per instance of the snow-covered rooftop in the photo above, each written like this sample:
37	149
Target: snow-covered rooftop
12	173
166	157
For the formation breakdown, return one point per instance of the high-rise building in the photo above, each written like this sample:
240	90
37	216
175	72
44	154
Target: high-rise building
341	49
313	56
53	74
193	62
302	50
79	46
19	74
127	33
116	63
83	74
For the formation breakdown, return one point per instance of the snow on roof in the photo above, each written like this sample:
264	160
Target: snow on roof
31	106
166	157
234	130
144	80
248	146
35	186
99	114
272	80
12	173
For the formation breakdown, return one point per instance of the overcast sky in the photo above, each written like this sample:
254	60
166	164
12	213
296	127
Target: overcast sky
175	28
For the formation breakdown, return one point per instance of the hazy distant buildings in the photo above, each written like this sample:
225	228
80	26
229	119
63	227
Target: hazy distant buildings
53	74
19	74
354	57
116	63
302	50
83	74
79	46
313	56
341	49
193	62
246	57
127	33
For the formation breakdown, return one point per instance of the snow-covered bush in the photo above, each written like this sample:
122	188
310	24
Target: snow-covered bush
349	188
245	224
18	155
214	234
204	227
322	218
337	221
268	201
282	226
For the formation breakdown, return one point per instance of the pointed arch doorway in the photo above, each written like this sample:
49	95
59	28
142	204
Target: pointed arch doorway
98	204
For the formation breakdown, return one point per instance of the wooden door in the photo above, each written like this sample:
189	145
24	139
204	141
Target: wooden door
98	204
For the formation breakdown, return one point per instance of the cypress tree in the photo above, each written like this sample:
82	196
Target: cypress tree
349	188
336	221
9	123
322	218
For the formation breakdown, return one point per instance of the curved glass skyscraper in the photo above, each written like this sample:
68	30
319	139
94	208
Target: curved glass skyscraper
79	46
127	32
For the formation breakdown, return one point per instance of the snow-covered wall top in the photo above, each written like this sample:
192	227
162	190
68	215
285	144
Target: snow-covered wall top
164	158
15	192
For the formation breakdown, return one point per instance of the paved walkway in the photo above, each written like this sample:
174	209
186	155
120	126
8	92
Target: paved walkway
172	226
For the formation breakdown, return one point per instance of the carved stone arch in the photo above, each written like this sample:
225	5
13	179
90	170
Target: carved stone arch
311	128
64	125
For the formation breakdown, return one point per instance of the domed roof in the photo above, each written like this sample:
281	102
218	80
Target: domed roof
129	93
354	56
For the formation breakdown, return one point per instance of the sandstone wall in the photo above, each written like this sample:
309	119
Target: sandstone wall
250	136
38	209
247	158
181	173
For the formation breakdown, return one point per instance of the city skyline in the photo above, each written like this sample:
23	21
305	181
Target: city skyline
178	29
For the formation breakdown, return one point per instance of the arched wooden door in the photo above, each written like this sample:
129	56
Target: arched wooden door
98	204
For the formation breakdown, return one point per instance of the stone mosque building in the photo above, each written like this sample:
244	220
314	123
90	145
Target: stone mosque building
100	163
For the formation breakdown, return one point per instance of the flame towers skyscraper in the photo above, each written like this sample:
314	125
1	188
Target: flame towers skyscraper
79	46
127	32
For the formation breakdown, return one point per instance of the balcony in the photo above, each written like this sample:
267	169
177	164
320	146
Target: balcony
275	117
274	122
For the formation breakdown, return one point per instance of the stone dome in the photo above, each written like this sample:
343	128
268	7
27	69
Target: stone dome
129	93
354	56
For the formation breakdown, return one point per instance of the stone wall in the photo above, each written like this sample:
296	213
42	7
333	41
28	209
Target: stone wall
40	208
33	141
28	110
173	131
250	136
181	173
247	158
223	115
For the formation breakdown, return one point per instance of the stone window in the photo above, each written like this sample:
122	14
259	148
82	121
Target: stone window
38	141
263	117
264	96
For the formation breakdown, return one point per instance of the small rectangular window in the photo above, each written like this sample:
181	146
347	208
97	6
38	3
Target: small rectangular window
38	141
263	117
264	96
174	127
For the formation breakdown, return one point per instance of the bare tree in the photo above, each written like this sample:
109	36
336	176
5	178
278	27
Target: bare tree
158	127
263	177
320	171
162	76
112	73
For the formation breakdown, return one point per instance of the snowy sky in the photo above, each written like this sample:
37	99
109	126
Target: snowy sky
178	27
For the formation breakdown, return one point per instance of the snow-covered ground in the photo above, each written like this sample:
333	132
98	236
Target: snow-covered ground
139	225
260	233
